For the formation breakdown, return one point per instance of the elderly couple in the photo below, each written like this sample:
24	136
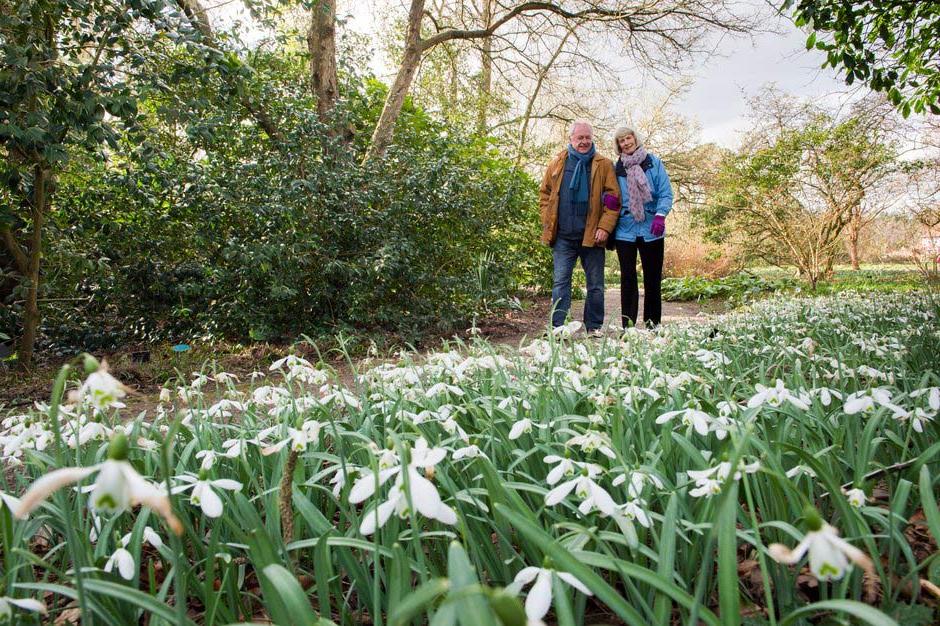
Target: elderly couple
588	204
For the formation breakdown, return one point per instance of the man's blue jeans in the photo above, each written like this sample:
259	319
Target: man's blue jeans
565	253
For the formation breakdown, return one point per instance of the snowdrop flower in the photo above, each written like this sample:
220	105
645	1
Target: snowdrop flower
510	402
101	389
149	535
117	488
795	471
339	477
638	479
124	561
566	330
298	438
289	361
825	395
933	396
208	459
633	510
709	482
699	420
711	360
203	492
26	604
469	452
867	401
12	503
422	492
522	427
592	495
856	497
775	396
567	467
918	418
830	556
442	389
539	598
591	441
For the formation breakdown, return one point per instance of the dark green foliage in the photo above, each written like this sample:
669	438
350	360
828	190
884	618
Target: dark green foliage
892	46
209	228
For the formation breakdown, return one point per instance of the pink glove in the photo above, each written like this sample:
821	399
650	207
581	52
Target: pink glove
658	227
611	202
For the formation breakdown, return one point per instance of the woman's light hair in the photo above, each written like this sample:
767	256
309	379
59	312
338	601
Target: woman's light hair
622	132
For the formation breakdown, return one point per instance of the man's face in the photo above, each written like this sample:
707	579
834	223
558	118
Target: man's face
582	138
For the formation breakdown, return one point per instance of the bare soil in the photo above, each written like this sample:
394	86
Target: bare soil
20	389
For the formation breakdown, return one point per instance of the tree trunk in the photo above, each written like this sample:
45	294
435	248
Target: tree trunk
852	236
42	179
382	136
321	43
486	69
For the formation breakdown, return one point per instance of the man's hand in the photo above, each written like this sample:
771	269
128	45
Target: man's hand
600	236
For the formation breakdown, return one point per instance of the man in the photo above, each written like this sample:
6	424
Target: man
580	203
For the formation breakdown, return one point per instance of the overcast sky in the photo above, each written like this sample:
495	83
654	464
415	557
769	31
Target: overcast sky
717	97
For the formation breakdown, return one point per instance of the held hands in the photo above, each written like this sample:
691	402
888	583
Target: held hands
600	236
611	202
658	227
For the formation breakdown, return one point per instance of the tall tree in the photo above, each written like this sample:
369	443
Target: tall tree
67	81
893	47
791	193
664	28
321	44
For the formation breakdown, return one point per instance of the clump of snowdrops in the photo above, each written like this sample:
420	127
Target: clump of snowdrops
569	480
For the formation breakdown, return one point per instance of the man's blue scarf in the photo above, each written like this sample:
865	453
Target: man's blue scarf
582	170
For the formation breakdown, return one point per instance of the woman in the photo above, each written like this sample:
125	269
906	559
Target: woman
646	201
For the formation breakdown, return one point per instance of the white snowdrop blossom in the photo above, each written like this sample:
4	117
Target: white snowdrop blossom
101	390
539	598
776	396
421	492
27	604
830	556
520	427
593	496
567	467
638	479
469	452
591	441
699	420
565	331
867	401
203	492
933	396
633	510
709	482
124	561
298	438
117	487
856	497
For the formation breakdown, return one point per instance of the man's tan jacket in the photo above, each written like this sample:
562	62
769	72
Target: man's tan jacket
603	180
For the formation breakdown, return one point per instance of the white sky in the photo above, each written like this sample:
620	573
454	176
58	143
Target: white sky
717	96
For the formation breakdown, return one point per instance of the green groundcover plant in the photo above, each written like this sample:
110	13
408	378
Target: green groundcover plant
571	481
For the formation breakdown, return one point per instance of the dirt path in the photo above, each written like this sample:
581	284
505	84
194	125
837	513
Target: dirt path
516	326
509	328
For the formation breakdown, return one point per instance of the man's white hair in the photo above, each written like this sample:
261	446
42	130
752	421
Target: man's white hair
579	122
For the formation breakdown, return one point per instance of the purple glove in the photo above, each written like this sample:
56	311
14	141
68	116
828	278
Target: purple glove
611	202
658	227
